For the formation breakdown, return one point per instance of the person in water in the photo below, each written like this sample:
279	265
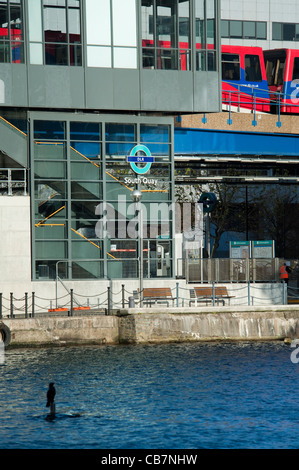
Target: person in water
50	398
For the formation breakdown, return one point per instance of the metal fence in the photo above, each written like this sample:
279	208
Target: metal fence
109	301
13	181
229	269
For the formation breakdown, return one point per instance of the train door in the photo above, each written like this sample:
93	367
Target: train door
275	62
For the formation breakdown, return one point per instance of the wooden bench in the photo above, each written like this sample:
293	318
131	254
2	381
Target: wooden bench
205	294
154	295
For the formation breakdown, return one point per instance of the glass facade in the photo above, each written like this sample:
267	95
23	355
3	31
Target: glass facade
55	32
11	32
172	37
234	29
85	223
167	34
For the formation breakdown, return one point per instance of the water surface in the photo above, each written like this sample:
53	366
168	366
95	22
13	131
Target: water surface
169	396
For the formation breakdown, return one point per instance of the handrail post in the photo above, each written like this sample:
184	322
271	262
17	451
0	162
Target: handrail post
213	284
33	300
278	124
229	121
0	305
248	293
9	185
177	294
72	302
123	295
285	293
11	305
108	300
26	305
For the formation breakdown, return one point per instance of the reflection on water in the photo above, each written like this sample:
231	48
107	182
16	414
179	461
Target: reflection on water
175	396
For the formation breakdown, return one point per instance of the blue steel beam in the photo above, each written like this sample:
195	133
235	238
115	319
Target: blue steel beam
188	141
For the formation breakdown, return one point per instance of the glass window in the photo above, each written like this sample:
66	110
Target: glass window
275	64
98	22
211	30
49	130
236	29
62	32
154	133
47	169
88	150
34	18
49	151
98	56
11	32
120	132
296	69
147	17
253	71
124	32
184	24
84	131
224	28
249	30
289	32
84	170
200	24
277	31
261	30
125	58
230	67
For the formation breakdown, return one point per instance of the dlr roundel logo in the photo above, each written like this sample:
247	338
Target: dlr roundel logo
135	158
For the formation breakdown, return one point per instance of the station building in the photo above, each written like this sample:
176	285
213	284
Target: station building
262	23
88	91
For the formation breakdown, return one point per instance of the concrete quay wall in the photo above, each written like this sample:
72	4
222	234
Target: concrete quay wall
157	325
97	329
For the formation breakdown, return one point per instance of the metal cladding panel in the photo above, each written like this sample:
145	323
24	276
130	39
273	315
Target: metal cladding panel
126	87
55	87
166	90
13	85
206	92
211	142
110	89
99	88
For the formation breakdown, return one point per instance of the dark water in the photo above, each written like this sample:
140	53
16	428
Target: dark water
178	396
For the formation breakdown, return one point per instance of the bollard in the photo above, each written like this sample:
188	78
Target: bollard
131	302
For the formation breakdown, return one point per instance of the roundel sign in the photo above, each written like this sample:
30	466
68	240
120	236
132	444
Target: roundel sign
135	159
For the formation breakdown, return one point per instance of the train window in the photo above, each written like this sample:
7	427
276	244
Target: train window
275	64
230	67
253	71
296	69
